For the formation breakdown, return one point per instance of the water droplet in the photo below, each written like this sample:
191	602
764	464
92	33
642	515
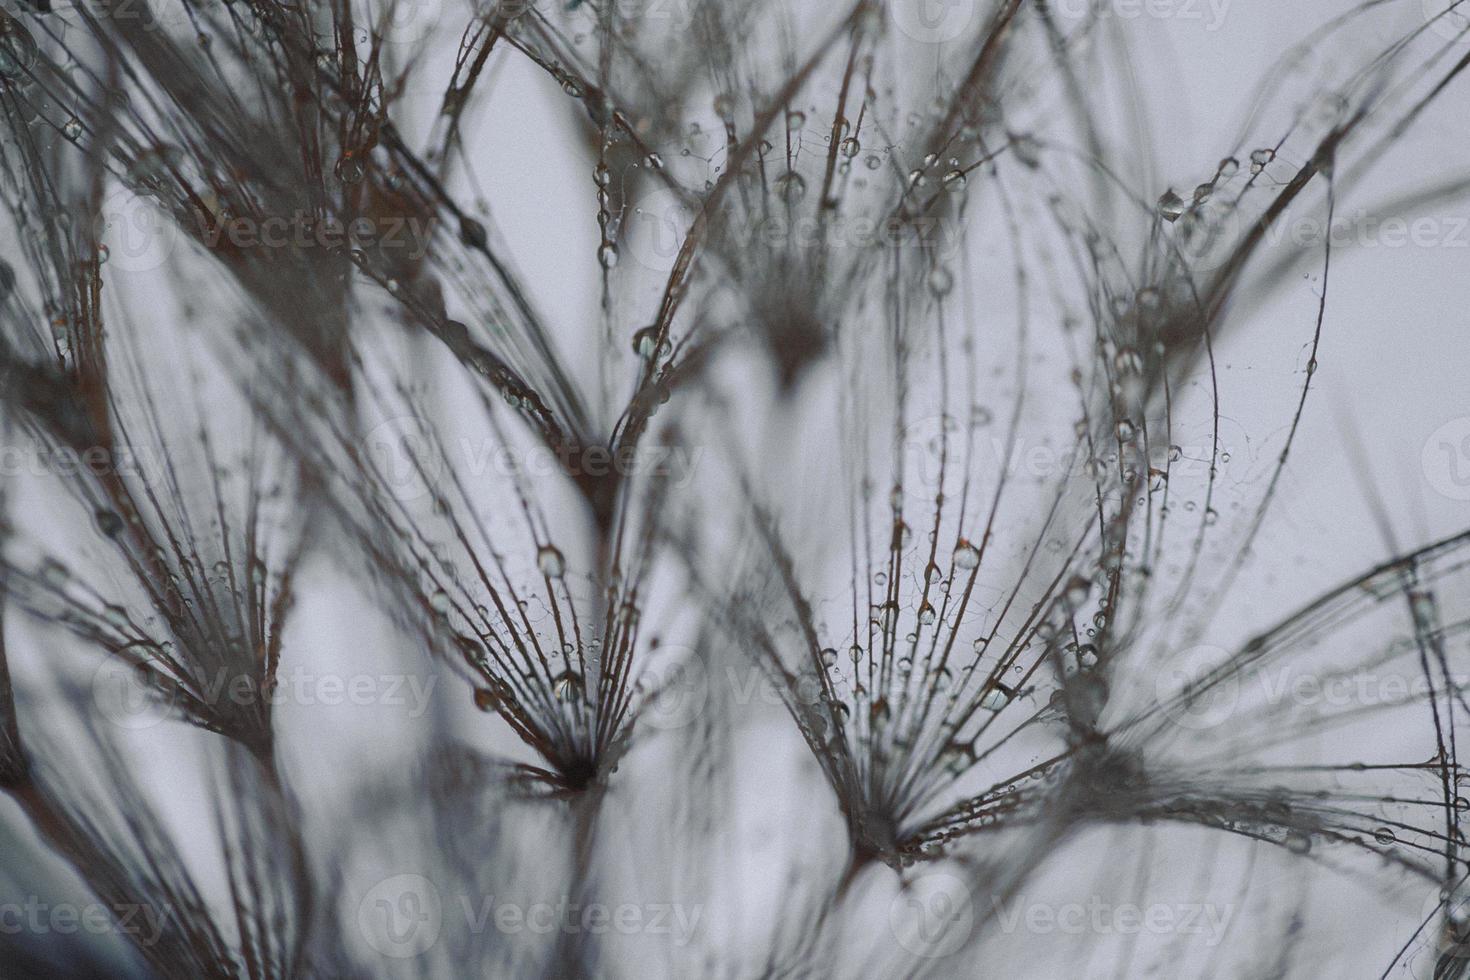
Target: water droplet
1227	167
995	698
1128	361
1125	430
926	615
350	170
607	255
54	573
550	561
567	686
829	657
472	233
966	555
791	186
850	147
795	119
872	162
72	129
1078	589
1171	205
646	345
109	523
955	180
958	757
485	699
1384	835
941	281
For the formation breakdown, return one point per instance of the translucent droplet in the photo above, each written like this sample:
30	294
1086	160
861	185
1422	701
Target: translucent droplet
829	657
645	343
72	129
1128	361
795	119
1171	205
955	180
966	555
958	757
1383	835
1261	157
109	523
350	170
1078	589
791	186
941	281
567	686
995	698
472	233
485	699
850	147
607	255
1227	167
926	615
550	561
